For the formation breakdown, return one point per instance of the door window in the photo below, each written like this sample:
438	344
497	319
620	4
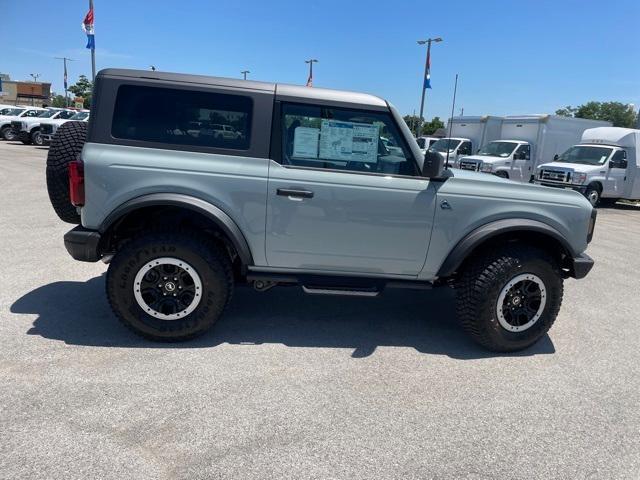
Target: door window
343	139
465	148
523	152
619	159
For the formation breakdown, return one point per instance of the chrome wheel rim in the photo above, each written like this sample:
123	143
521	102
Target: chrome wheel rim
593	197
521	302
167	288
37	139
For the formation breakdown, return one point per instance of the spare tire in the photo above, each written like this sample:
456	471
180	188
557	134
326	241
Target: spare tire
65	147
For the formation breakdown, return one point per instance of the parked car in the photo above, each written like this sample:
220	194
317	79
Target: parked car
16	114
452	148
28	129
307	196
526	142
605	166
48	127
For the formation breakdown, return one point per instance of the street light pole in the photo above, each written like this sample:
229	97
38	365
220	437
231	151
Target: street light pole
35	79
426	71
311	61
66	92
244	74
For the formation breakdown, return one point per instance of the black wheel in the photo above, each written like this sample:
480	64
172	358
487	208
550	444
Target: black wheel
7	133
502	174
65	147
593	193
169	286
36	138
508	298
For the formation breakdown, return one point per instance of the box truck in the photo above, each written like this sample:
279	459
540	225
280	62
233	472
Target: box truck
604	166
525	142
467	135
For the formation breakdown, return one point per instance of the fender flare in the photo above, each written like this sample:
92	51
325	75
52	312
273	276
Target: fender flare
485	232
213	213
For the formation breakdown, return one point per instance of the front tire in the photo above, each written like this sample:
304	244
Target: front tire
8	134
508	299
169	287
37	139
593	194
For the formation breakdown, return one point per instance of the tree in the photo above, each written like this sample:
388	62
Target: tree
430	127
619	114
427	127
83	88
58	101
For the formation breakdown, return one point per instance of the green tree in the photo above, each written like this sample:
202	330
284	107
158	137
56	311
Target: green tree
83	88
411	121
58	101
429	128
619	114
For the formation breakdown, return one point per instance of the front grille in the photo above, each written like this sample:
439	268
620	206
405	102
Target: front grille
469	166
17	126
555	176
46	129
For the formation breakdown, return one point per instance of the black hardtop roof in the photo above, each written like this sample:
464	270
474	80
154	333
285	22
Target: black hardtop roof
290	92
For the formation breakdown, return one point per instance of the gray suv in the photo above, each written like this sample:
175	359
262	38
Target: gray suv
306	192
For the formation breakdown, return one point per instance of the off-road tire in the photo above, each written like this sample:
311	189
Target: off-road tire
211	262
65	147
478	287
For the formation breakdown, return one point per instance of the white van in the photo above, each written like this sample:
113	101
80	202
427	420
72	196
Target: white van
525	142
467	134
425	142
605	166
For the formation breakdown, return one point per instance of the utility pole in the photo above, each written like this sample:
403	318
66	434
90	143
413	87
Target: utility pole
66	92
93	51
311	61
427	67
244	74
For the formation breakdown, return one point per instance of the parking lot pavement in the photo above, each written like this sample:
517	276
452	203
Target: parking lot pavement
293	386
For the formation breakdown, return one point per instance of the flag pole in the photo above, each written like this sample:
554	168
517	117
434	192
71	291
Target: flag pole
424	78
93	51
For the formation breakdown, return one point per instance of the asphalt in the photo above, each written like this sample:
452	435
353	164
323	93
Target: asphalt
290	386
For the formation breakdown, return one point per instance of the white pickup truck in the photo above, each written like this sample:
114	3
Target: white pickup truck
16	114
28	129
525	142
605	166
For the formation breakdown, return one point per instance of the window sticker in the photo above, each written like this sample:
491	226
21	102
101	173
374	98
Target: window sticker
349	141
305	142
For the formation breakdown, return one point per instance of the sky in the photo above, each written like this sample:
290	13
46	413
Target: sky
512	57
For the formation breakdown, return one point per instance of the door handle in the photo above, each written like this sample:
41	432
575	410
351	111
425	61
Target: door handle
290	192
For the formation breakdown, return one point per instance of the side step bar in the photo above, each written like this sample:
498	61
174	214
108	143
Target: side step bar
340	291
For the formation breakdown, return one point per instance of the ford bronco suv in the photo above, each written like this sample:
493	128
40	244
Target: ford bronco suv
306	194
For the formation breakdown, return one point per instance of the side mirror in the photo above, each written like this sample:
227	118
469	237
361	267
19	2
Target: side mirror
433	164
556	157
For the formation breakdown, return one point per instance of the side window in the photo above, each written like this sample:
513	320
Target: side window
33	113
465	148
182	117
523	152
619	158
343	139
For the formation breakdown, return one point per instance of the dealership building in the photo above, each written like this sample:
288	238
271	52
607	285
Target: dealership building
24	93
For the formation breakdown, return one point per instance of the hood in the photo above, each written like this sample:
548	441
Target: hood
56	121
572	167
483	158
11	118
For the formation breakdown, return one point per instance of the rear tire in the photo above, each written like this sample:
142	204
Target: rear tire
65	147
508	298
186	262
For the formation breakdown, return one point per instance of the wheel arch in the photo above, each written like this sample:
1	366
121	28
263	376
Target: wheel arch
179	202
528	231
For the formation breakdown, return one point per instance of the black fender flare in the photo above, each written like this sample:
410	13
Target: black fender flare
485	232
213	213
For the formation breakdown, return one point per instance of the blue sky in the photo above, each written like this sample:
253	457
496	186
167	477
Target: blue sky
512	56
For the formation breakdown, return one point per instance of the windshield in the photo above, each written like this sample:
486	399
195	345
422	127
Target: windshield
48	113
13	111
586	155
498	149
445	144
80	116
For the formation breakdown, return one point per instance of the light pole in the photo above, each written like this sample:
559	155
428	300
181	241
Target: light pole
35	79
427	67
311	61
244	74
66	93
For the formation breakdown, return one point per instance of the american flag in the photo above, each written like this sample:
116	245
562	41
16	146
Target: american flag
87	27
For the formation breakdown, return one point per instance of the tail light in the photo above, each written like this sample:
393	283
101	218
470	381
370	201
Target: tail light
76	183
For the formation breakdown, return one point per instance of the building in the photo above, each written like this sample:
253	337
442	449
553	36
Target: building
14	92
